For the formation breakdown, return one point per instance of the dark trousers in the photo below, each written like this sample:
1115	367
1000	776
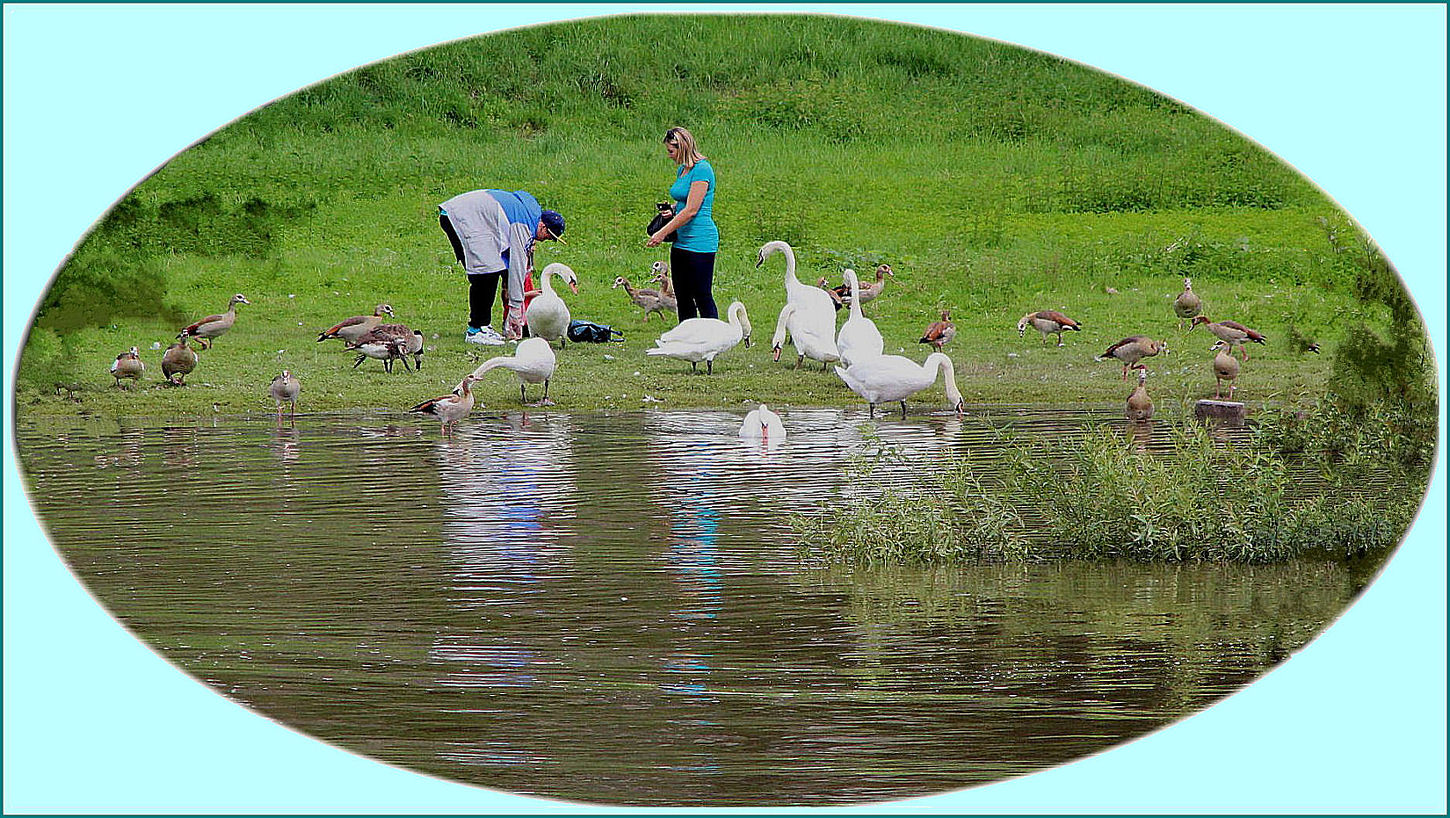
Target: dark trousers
693	275
482	287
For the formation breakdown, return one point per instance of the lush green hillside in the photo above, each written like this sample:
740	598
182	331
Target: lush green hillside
994	180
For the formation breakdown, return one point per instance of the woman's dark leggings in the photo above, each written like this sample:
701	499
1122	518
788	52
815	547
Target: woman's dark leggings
482	287
693	275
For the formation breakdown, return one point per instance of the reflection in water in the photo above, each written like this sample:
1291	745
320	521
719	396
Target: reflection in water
613	609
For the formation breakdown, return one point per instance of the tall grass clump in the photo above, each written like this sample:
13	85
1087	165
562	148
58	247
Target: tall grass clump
1101	495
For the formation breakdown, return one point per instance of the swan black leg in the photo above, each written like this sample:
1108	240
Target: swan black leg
903	410
710	367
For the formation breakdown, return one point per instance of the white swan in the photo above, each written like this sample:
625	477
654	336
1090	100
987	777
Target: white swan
814	305
807	340
548	315
888	378
764	424
701	339
532	362
859	339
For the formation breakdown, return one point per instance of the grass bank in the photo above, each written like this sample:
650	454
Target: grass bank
1040	185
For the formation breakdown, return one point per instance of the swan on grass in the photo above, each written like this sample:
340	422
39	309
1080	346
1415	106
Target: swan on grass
807	338
887	378
859	338
814	307
532	362
763	424
548	315
701	339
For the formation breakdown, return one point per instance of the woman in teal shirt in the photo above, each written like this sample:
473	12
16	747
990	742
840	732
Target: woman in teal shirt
692	256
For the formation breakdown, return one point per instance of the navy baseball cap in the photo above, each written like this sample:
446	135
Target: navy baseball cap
554	223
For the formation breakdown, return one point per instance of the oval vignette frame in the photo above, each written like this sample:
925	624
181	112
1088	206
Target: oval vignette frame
215	726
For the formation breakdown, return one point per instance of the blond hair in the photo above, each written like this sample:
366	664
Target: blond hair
691	153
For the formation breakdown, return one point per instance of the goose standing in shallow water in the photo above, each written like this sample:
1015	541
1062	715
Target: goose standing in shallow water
1133	349
939	333
1230	332
1187	305
859	338
887	378
1140	406
211	327
351	329
177	362
128	365
532	362
285	388
548	315
1047	322
762	424
450	408
701	339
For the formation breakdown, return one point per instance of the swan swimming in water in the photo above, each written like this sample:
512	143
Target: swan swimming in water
701	339
761	423
888	378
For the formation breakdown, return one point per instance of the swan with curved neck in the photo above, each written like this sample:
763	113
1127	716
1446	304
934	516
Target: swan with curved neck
532	362
548	315
887	378
807	339
701	339
859	338
814	306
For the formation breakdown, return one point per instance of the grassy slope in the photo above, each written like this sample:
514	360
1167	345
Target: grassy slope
995	181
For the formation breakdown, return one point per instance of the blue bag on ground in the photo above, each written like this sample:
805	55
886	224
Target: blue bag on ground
588	332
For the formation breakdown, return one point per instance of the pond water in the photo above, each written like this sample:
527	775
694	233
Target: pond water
613	608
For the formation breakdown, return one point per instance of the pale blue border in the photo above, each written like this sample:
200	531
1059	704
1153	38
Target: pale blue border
95	97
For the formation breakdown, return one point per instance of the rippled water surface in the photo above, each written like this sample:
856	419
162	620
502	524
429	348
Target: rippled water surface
613	609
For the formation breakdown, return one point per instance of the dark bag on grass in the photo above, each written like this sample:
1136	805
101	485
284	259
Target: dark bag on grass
660	220
588	332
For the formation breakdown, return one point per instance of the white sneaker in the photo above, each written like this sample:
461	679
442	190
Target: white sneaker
486	336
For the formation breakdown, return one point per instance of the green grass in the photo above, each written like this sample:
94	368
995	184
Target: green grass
995	180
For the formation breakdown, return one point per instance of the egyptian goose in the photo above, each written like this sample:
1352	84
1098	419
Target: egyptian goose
646	299
870	289
452	407
1140	406
177	362
661	276
762	424
831	291
382	345
1231	332
1133	349
1047	322
532	362
357	326
805	336
1187	305
413	341
128	365
1225	368
285	388
859	338
548	315
939	333
887	378
701	339
209	328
